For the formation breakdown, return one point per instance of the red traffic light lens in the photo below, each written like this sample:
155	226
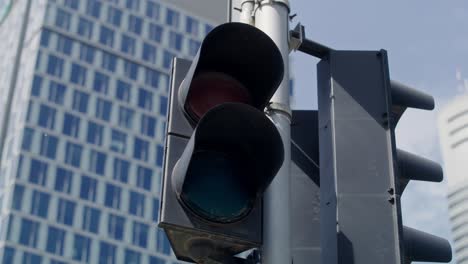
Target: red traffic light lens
210	89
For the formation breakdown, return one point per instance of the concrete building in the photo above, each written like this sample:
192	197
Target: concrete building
83	100
453	131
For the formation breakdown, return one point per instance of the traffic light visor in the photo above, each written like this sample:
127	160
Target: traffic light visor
228	165
236	62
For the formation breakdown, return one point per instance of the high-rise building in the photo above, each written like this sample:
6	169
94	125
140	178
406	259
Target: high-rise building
453	131
83	100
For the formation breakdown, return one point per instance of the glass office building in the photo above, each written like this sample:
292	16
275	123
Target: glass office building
453	132
83	100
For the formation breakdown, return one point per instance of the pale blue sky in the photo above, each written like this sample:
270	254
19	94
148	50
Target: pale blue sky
426	40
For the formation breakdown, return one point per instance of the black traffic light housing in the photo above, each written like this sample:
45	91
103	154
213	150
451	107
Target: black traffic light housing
362	173
222	151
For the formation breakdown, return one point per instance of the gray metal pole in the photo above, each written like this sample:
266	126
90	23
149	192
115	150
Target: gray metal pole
272	16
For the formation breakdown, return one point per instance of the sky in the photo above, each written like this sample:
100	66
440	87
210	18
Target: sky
427	42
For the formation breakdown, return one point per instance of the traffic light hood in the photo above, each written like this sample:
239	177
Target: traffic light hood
236	62
227	166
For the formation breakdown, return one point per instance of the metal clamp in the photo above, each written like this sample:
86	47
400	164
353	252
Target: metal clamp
284	2
282	108
296	37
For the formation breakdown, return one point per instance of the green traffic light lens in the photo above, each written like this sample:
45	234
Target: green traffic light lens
214	188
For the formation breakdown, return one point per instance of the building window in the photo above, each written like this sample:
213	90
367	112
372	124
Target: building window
132	257
62	19
101	82
121	168
91	218
95	132
191	26
63	180
48	146
36	86
155	32
133	5
64	44
145	99
37	65
40	203
80	101
55	240
144	178
140	149
208	29
112	198
140	234
159	155
162	244
87	53
106	36
114	16
28	233
152	78
131	70
71	125
56	92
163	105
135	23
93	8
78	74
28	136
30	258
73	4
88	188
109	61
149	53
65	212
38	172
8	255
17	200
152	10
165	81
118	141
45	37
85	28
55	66
116	226
31	107
137	204
54	261
126	117
46	117
128	44
175	40
172	18
156	260
97	162
103	109
73	154
167	59
155	210
82	248
123	91
193	47
107	253
148	125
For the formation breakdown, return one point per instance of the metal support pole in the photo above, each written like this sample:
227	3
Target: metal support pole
272	16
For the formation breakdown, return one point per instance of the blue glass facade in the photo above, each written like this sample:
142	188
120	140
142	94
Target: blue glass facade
87	167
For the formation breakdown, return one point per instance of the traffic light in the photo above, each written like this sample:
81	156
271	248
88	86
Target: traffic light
222	151
362	173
